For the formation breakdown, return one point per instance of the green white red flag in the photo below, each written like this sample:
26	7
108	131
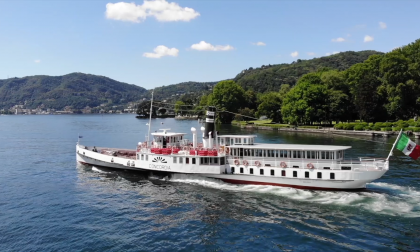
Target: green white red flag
409	147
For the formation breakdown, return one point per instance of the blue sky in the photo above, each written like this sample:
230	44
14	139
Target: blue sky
118	39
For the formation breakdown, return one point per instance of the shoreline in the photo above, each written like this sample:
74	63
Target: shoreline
330	131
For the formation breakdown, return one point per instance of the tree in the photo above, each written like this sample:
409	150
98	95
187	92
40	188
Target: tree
270	106
364	81
179	108
143	109
227	96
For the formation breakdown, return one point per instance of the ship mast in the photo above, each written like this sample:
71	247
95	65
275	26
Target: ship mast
150	117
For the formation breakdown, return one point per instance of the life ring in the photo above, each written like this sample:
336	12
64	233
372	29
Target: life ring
283	165
227	150
310	165
258	163
236	162
245	163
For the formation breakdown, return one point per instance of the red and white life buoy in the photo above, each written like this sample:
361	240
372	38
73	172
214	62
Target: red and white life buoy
310	165
258	163
245	162
236	162
283	165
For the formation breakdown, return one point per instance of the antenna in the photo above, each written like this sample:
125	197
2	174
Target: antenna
150	117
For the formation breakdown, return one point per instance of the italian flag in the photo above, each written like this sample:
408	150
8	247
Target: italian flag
409	147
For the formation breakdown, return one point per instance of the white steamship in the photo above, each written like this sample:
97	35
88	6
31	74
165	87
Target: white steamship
239	159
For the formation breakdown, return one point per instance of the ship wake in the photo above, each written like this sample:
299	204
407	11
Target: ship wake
381	198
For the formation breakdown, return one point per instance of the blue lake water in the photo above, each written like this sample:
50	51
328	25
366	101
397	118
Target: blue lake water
50	203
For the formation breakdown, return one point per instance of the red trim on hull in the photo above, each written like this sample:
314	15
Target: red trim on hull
244	182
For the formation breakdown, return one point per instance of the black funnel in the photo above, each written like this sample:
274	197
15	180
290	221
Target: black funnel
209	127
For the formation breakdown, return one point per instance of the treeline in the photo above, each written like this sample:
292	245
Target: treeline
385	87
270	77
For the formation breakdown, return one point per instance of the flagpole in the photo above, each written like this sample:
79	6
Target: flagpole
150	117
393	146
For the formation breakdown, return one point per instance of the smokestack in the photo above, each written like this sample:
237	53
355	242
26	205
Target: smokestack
211	114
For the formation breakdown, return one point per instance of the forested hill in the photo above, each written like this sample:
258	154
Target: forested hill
76	89
176	90
271	77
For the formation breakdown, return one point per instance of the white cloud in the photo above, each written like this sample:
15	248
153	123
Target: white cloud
37	61
294	54
204	46
311	53
161	51
368	38
338	39
160	9
335	52
259	43
382	25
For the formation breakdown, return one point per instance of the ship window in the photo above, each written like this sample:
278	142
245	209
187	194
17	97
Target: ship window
251	171
319	175
294	154
294	174
193	160
277	153
346	168
283	173
245	140
236	140
299	154
327	168
147	157
180	160
332	175
295	166
261	171
272	172
137	156
313	155
142	157
307	174
259	153
322	154
222	161
233	170
327	155
174	160
251	153
187	160
215	160
242	170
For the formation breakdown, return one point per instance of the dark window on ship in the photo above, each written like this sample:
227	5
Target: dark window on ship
137	156
283	173
180	160
233	170
215	160
241	170
295	166
272	172
307	174
332	175
174	160
192	160
294	174
222	161
319	175
345	168
261	171
142	157
251	171
187	160
327	168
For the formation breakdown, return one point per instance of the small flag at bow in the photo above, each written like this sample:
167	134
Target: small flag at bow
409	147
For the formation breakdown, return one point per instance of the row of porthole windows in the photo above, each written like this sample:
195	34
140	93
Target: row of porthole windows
283	173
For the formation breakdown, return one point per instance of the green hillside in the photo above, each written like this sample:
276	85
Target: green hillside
76	89
174	91
271	77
